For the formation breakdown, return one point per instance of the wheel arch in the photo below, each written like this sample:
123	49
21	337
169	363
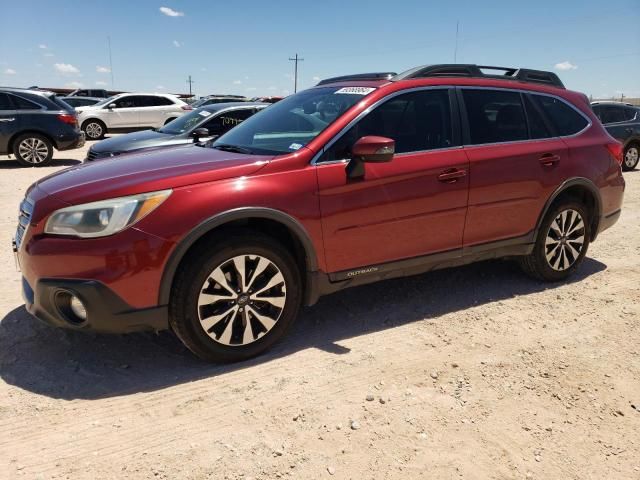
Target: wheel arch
15	136
256	217
581	189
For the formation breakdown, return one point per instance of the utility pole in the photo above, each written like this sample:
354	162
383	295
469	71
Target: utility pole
455	51
110	62
190	82
296	59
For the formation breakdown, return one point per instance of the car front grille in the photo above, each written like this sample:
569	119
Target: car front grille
93	155
24	218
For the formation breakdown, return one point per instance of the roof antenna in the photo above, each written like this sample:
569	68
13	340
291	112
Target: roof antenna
455	51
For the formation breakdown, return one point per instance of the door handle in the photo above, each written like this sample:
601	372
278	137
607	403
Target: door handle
452	175
549	159
7	119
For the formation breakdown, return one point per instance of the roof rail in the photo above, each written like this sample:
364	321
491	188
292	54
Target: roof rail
482	71
359	76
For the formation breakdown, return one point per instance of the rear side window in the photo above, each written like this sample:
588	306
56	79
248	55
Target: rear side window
227	120
5	102
24	104
495	116
537	125
630	113
162	101
565	119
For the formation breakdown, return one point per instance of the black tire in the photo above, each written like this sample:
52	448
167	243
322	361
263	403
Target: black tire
538	265
32	150
169	120
94	129
217	253
631	156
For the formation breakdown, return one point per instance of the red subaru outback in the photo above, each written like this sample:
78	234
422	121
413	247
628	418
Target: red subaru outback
358	179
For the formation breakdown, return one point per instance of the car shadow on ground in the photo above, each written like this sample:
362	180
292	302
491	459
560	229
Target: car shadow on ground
69	365
7	163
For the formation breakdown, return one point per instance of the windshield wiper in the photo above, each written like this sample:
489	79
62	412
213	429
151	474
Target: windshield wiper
232	148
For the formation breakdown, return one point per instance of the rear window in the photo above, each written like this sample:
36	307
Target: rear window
565	119
59	102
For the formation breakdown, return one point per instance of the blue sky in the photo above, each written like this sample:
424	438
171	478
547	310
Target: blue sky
243	46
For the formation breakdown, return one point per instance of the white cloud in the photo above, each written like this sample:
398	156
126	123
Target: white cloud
42	46
100	83
10	71
48	54
237	82
100	69
65	68
251	89
74	85
177	44
170	12
566	65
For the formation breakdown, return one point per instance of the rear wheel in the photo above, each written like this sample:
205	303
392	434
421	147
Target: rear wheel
235	296
33	150
631	156
562	243
94	129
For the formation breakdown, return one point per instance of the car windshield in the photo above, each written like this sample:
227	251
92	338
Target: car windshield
185	122
292	123
104	102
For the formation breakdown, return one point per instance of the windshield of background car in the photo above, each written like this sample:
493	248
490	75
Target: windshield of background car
104	102
292	123
185	122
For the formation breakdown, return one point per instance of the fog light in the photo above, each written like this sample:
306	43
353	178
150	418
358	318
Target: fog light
77	307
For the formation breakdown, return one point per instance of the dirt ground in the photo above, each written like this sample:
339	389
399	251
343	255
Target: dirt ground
474	372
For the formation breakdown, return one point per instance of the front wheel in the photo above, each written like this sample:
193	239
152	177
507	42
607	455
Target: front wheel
562	243
631	157
235	296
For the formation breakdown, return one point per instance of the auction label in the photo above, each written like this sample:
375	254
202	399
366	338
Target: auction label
355	90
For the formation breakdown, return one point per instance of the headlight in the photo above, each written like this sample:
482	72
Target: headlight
106	217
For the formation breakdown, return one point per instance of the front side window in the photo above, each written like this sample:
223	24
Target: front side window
125	102
293	122
495	116
565	119
417	121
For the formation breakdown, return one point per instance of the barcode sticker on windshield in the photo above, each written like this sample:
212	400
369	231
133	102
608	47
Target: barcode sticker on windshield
204	113
355	90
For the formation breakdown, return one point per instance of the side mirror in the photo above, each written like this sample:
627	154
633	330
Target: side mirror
370	149
198	133
111	106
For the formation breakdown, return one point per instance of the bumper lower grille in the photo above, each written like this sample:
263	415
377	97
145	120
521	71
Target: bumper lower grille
24	218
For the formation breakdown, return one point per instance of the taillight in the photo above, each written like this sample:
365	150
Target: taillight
186	107
68	119
615	149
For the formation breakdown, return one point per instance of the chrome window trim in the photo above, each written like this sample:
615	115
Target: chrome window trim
329	144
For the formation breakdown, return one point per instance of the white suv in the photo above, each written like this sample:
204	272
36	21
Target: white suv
127	112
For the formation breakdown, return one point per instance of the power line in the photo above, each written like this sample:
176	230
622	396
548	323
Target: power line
296	59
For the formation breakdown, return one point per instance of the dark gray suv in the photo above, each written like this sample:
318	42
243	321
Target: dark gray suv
33	123
622	121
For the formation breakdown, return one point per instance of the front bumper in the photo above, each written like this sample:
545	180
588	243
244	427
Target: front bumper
106	311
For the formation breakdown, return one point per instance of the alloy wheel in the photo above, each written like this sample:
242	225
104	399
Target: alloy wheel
33	150
93	130
241	300
565	240
631	157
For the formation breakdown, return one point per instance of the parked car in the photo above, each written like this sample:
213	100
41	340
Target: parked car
33	123
622	121
90	92
267	99
346	183
81	101
128	112
201	124
213	99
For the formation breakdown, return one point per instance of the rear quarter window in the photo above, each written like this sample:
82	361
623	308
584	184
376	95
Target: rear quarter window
24	104
565	119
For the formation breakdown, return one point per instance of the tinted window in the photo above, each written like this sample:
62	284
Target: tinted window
417	121
597	109
124	102
564	118
5	102
162	101
537	126
226	121
24	104
630	113
495	116
144	101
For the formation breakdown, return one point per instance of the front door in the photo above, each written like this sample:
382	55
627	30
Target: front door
125	114
412	206
8	121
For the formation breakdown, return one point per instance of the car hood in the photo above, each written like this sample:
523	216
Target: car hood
138	140
147	172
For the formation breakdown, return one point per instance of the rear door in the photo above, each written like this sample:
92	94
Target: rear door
412	206
9	121
516	161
